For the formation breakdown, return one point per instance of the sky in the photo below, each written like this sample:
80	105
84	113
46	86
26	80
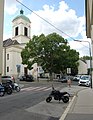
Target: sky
66	15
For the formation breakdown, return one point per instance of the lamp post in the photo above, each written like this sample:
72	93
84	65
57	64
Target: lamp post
90	58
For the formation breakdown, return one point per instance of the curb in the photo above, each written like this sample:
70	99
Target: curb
67	109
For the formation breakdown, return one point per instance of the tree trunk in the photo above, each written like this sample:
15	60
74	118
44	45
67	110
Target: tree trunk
51	77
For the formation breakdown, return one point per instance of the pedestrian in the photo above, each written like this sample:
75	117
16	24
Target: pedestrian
69	82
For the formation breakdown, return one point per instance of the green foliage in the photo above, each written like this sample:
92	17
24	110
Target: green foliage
86	58
51	52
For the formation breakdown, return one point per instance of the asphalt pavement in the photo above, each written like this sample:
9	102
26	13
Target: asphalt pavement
81	105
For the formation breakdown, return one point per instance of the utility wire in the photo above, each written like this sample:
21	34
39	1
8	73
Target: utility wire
45	20
81	42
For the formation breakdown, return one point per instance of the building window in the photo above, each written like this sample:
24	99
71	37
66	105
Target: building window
16	31
7	69
7	56
25	31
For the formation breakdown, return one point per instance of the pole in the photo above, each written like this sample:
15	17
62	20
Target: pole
1	34
90	63
90	58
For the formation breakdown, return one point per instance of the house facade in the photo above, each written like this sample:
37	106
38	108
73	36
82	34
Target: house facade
83	67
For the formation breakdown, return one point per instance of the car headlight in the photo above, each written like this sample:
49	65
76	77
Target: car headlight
87	82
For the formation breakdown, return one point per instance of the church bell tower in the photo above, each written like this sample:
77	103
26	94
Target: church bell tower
21	29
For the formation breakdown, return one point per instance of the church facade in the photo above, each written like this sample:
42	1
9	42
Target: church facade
21	34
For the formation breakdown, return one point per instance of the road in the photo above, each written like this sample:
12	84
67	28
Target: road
30	104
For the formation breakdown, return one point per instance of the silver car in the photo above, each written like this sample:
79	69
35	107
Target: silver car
76	78
6	78
85	80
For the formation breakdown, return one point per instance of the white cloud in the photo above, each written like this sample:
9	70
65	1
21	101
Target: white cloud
11	6
63	18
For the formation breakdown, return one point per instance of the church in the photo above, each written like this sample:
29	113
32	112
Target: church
12	47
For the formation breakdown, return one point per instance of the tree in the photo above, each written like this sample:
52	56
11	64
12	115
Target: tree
84	58
51	52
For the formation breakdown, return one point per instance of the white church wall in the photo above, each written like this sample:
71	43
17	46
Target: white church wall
14	59
21	39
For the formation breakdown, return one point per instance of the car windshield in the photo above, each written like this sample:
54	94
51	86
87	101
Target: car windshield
85	78
6	77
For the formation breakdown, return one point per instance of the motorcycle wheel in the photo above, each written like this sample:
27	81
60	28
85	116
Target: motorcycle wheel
2	93
9	91
48	99
17	89
65	99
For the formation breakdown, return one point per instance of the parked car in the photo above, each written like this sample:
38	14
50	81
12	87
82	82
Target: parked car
85	80
22	78
76	77
63	79
6	78
29	78
26	78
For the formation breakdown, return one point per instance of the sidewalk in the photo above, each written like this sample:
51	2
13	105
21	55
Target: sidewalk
81	105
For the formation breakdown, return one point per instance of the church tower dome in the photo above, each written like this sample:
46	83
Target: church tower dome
21	29
22	16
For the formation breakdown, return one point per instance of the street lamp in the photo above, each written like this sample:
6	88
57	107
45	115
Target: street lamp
90	58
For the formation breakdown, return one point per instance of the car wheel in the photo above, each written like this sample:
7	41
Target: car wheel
2	93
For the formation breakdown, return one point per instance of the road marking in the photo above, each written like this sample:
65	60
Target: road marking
42	88
38	88
47	89
29	88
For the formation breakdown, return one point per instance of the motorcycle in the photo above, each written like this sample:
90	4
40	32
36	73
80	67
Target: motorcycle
14	86
57	95
2	90
7	88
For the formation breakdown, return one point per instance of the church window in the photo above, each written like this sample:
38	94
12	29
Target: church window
7	56
16	31
25	31
7	68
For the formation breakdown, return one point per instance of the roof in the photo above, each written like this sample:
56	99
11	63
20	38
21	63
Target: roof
9	42
22	16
